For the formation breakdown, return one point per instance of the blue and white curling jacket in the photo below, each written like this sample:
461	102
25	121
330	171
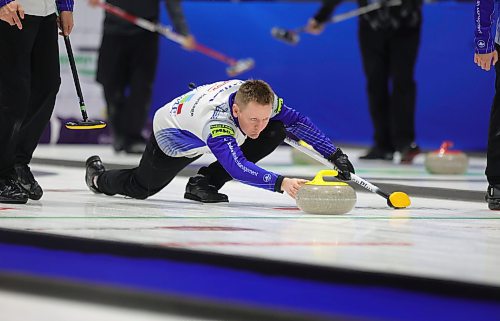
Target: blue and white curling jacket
201	121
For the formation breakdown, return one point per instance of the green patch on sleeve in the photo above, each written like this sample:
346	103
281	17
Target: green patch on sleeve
278	106
221	130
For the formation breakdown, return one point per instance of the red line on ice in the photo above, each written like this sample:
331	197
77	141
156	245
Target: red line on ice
207	228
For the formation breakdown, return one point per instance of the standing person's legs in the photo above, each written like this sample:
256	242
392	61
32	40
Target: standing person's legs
404	46
144	57
493	156
154	172
113	73
204	187
15	86
374	52
45	82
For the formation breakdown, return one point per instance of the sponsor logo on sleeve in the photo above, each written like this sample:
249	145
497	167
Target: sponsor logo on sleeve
222	108
229	86
221	130
267	178
191	112
478	19
185	99
236	159
218	85
481	44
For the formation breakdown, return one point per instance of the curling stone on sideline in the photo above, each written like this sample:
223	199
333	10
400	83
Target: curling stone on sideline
320	197
445	161
299	158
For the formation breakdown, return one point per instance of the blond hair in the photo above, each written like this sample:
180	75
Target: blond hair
257	91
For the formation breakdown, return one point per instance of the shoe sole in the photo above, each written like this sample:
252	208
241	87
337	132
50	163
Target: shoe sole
494	205
11	201
94	190
193	197
35	197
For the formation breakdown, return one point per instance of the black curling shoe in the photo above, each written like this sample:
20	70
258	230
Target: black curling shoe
376	153
493	197
11	192
93	168
198	189
26	181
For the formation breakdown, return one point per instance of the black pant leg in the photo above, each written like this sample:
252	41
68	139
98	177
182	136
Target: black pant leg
113	73
253	149
375	56
404	44
154	172
493	154
15	86
144	57
45	82
114	94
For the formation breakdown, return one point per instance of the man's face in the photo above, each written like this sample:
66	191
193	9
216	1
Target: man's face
253	117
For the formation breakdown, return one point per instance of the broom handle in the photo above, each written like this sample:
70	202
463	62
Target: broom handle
167	32
363	10
76	80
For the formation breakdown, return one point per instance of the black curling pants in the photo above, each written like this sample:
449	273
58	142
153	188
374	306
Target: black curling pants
493	154
154	172
126	70
29	82
389	58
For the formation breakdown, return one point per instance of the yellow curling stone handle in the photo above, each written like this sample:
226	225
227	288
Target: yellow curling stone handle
318	179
